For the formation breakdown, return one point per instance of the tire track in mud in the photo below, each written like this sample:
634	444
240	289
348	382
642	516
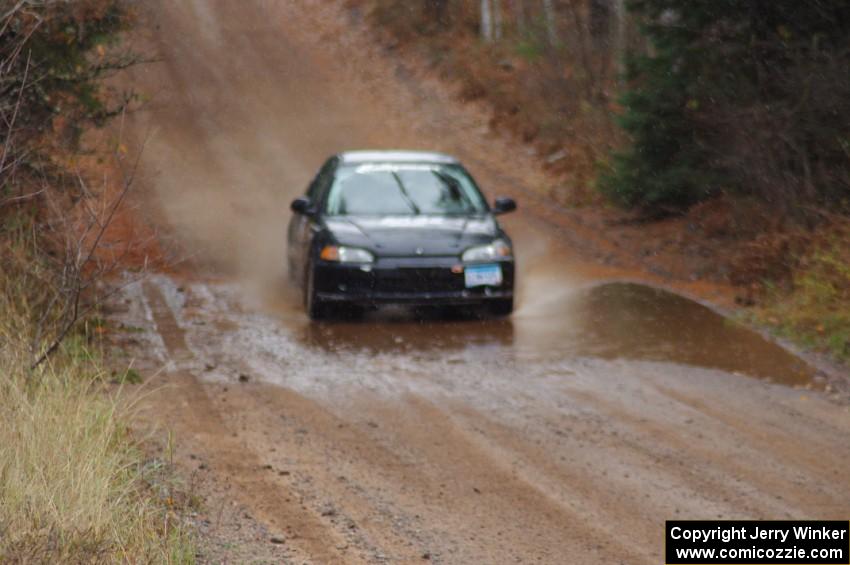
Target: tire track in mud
340	466
726	470
804	457
445	493
562	522
270	498
613	480
635	487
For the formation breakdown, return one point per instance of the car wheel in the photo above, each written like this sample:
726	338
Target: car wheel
316	309
502	307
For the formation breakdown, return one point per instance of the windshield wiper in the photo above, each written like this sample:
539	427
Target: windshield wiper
404	193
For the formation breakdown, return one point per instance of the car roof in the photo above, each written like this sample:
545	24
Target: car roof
396	157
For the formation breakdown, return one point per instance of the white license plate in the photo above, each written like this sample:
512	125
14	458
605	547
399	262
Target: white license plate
483	275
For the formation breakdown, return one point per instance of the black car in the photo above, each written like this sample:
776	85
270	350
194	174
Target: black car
399	227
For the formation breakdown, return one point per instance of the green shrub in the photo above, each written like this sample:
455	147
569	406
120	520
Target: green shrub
816	309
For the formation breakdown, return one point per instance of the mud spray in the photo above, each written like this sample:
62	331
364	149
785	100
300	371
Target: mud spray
229	141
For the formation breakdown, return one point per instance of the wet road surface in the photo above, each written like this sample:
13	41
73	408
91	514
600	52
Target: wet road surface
565	434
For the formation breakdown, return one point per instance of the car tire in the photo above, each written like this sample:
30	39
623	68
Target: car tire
501	307
315	308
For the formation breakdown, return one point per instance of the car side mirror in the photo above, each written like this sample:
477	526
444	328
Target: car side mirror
303	206
503	205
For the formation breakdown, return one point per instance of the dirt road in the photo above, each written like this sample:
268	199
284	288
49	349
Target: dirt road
567	434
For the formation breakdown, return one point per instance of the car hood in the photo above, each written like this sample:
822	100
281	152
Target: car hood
409	236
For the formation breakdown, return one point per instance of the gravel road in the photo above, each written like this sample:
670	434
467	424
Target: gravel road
567	434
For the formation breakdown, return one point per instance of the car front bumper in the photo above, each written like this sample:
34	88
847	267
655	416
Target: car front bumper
413	281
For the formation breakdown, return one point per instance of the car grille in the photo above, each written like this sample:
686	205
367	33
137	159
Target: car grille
418	280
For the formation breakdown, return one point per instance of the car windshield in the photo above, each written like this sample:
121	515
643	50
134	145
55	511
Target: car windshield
404	190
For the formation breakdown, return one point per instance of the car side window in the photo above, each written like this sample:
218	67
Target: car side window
313	189
320	184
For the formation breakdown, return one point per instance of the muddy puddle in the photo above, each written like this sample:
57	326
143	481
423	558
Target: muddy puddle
608	321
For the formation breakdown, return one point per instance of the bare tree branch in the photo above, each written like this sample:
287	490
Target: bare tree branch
83	255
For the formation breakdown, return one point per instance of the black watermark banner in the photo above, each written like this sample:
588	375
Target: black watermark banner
697	542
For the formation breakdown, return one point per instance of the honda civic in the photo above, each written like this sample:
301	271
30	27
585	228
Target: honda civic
399	227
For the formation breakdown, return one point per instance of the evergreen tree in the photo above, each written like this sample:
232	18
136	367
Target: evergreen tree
744	95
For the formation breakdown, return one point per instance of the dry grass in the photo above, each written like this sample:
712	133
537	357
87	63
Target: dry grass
74	487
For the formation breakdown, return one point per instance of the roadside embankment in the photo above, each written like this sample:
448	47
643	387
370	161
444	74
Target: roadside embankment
74	484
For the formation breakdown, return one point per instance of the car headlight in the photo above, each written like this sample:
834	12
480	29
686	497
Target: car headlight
342	254
496	250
